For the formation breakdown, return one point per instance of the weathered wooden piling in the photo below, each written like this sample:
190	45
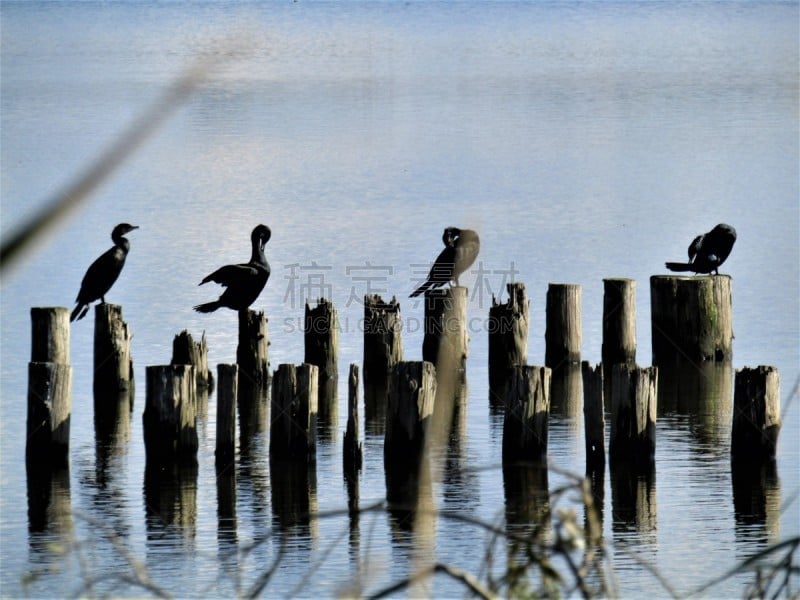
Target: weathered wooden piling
410	408
445	340
383	342
252	352
563	325
321	332
50	335
185	351
691	317
527	410
113	366
633	413
227	380
170	415
508	339
352	445
49	387
293	431
756	414
619	322
593	415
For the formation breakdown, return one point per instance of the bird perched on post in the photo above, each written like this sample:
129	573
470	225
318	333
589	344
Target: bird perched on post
103	272
461	247
243	282
707	252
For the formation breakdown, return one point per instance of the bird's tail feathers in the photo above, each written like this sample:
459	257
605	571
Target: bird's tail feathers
79	312
676	266
207	307
423	288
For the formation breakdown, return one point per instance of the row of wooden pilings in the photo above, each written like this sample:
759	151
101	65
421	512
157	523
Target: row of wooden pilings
691	317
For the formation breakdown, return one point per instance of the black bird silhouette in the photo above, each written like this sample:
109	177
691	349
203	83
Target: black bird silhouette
243	282
461	247
103	272
707	252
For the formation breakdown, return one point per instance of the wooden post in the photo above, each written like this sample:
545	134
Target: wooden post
756	414
227	379
619	322
293	432
411	399
352	447
252	353
383	349
113	367
170	416
383	343
445	339
593	416
527	411
633	413
50	335
563	328
508	339
321	329
49	387
185	351
691	317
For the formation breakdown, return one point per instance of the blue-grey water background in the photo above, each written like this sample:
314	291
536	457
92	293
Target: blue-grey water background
582	140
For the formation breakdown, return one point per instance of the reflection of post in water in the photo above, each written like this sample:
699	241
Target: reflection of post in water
112	425
383	349
294	494
170	498
703	391
508	339
409	412
527	505
633	496
227	538
756	500
321	333
252	404
49	504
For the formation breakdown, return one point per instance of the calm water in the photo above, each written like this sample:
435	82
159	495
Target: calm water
582	140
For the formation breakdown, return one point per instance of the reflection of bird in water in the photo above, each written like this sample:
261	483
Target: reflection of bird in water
103	272
461	247
243	282
707	252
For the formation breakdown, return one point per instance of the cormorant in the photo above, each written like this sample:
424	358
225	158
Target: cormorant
103	272
461	247
707	252
243	282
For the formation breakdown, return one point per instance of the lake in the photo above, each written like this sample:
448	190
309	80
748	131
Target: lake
582	140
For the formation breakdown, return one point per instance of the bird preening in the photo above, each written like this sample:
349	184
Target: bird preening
103	272
708	251
243	282
461	247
